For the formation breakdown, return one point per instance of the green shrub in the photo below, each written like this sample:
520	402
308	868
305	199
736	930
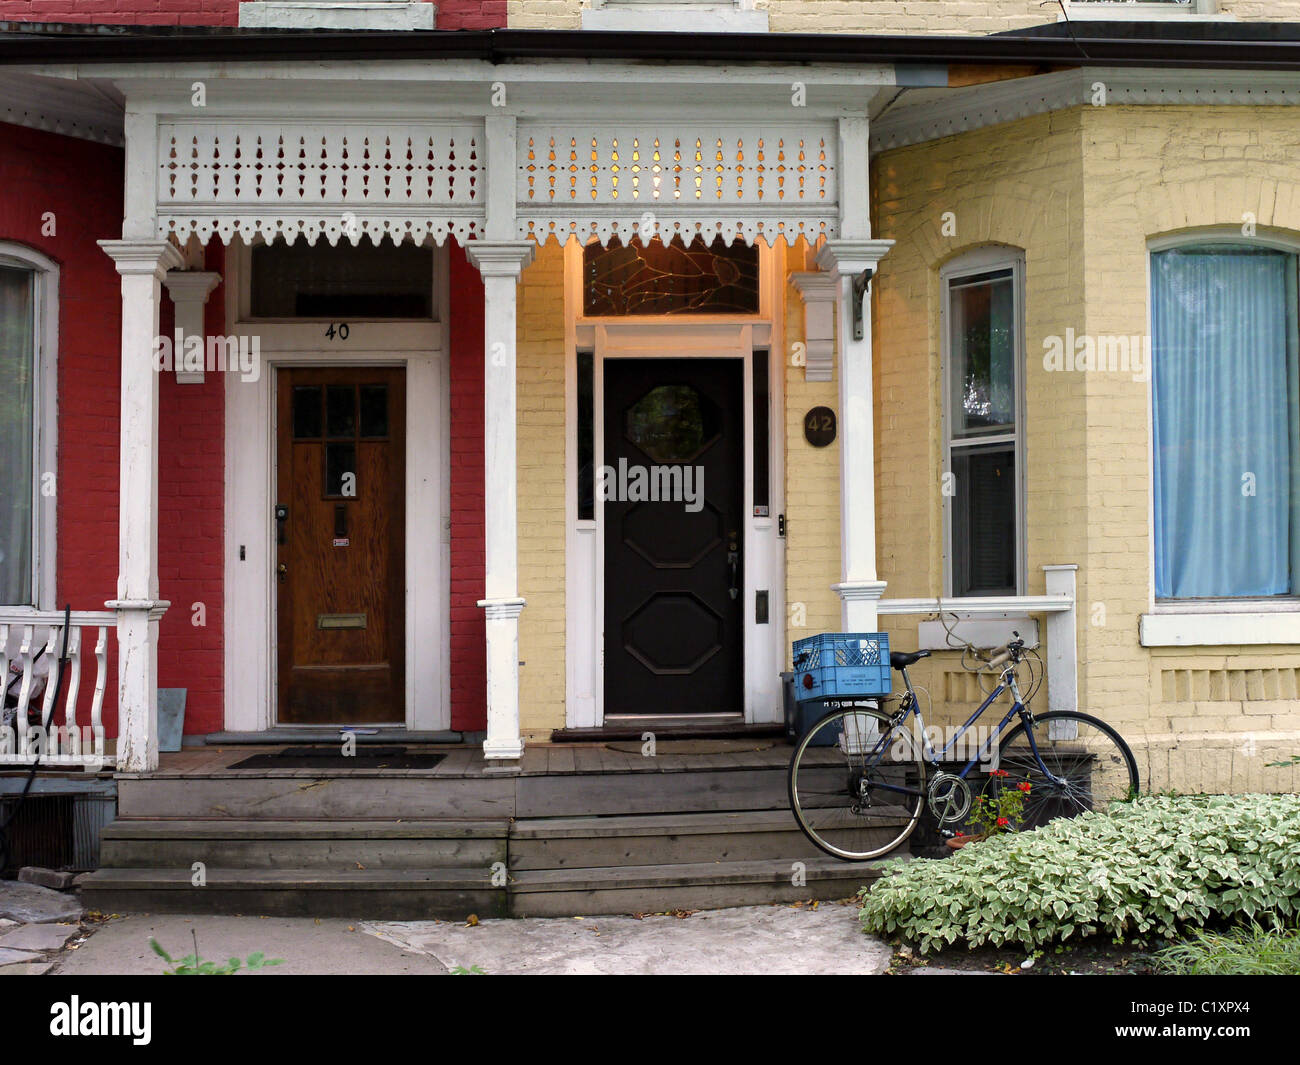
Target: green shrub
1247	951
1145	869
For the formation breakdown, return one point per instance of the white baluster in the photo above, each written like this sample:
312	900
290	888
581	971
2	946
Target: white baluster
72	670
25	654
101	682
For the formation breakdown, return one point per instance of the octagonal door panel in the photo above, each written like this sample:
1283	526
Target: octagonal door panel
672	494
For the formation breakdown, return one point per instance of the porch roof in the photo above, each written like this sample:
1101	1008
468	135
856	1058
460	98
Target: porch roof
1254	45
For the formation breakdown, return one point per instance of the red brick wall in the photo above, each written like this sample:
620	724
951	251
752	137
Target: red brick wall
452	14
191	507
81	183
468	664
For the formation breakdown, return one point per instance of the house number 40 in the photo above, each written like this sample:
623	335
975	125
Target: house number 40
341	331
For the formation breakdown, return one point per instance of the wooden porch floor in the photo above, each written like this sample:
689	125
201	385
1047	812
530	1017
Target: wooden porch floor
468	762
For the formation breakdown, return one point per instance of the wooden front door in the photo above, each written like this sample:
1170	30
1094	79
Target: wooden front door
674	576
340	526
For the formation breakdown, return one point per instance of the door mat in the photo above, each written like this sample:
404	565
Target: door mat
334	758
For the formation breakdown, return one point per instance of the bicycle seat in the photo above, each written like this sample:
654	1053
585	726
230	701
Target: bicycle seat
903	659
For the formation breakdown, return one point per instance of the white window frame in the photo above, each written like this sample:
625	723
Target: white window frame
1243	620
337	14
980	261
45	453
1140	11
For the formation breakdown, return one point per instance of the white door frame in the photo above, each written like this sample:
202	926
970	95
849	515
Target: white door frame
764	554
250	455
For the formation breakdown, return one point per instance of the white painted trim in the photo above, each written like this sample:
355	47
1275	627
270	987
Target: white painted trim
675	16
1131	11
1220	629
250	622
45	418
978	261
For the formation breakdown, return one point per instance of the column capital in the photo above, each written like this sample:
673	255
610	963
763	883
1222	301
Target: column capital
143	257
498	609
190	285
815	285
500	258
848	257
859	591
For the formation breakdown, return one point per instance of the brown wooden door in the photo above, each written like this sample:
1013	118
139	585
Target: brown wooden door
340	545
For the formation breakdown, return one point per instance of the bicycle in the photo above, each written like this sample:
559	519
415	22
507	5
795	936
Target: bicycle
858	791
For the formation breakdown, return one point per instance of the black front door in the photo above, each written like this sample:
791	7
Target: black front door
673	490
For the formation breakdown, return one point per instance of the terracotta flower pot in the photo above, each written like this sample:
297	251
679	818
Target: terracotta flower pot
958	842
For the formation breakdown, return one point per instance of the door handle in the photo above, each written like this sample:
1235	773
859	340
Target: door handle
733	562
281	520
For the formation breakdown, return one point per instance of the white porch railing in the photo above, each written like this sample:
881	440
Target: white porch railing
1058	605
30	671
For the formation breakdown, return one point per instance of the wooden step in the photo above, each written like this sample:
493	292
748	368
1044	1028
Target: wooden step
372	894
697	886
253	797
663	839
177	844
668	785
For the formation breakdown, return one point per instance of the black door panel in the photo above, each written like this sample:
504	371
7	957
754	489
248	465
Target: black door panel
673	536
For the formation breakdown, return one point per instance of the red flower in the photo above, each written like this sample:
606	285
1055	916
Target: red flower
958	835
1003	822
998	773
1025	787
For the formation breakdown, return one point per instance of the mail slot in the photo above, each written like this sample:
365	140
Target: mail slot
340	621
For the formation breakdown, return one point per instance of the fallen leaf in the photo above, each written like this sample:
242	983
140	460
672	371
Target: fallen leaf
471	920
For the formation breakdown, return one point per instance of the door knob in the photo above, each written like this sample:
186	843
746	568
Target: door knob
282	570
281	520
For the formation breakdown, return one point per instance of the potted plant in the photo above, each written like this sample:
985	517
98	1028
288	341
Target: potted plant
997	815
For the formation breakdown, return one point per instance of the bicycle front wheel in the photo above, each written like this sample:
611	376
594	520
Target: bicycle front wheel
1075	763
857	784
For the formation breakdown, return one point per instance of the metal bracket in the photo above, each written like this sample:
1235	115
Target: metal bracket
860	283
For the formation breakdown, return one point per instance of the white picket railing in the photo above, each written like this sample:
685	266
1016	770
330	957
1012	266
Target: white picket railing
31	683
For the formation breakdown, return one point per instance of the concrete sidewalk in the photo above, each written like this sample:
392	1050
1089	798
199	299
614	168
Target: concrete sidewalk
748	940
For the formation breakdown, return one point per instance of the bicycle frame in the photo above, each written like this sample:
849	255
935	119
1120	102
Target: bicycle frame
911	706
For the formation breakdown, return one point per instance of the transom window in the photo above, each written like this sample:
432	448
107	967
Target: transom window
1225	421
658	278
982	349
317	281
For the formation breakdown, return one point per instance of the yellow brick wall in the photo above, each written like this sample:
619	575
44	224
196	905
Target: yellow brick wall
812	488
1152	171
1081	192
886	16
1017	184
541	465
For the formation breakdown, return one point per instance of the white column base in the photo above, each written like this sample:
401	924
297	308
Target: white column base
858	609
503	740
137	682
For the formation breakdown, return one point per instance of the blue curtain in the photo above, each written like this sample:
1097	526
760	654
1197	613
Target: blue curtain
1226	421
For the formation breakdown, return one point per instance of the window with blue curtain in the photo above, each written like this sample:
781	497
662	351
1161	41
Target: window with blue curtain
1226	421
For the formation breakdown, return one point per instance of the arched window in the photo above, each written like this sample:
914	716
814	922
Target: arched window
1225	419
28	326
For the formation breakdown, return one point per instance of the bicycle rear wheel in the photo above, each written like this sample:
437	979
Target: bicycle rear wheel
857	784
1089	766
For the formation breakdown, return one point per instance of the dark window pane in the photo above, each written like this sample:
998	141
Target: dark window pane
762	489
306	412
984	521
673	423
17	433
374	411
305	281
658	278
340	411
586	437
340	462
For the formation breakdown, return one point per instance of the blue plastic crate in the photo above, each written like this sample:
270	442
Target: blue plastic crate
841	665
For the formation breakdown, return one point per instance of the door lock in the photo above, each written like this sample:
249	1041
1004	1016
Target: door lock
733	562
281	520
283	571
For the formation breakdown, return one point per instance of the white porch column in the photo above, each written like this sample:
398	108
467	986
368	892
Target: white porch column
859	589
501	263
142	264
